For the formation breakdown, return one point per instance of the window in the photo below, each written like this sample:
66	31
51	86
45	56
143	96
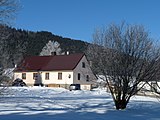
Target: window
23	75
79	76
59	76
69	76
87	78
35	75
83	65
47	76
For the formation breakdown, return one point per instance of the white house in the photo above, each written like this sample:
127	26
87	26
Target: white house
56	71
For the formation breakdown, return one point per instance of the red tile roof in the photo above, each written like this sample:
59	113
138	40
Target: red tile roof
50	63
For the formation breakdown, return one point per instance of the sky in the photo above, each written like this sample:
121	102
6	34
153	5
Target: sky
78	19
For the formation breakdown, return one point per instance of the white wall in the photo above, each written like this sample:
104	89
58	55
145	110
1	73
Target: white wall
29	77
85	87
53	77
83	72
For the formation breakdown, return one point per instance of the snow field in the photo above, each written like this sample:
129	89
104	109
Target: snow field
39	103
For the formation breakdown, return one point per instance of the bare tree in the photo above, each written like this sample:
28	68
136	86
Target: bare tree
126	57
8	10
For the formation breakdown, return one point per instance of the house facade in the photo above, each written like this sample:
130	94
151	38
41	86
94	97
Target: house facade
56	71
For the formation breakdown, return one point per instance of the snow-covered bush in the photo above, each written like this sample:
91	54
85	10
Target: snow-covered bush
50	48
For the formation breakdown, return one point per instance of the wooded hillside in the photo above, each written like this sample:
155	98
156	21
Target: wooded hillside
18	43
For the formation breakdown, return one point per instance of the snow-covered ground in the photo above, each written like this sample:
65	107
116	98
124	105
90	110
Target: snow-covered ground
38	103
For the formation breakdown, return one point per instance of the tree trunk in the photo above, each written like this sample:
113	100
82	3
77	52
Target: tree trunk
120	104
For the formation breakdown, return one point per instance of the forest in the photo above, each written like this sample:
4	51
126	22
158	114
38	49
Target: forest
17	44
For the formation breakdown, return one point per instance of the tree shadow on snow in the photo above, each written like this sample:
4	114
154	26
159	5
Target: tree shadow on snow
85	111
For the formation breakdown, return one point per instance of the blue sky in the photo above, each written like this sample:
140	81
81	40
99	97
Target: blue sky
77	19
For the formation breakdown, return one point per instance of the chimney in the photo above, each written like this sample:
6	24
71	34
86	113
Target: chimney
90	63
53	53
67	53
15	66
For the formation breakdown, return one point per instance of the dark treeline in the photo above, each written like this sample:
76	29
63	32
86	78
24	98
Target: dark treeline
15	44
